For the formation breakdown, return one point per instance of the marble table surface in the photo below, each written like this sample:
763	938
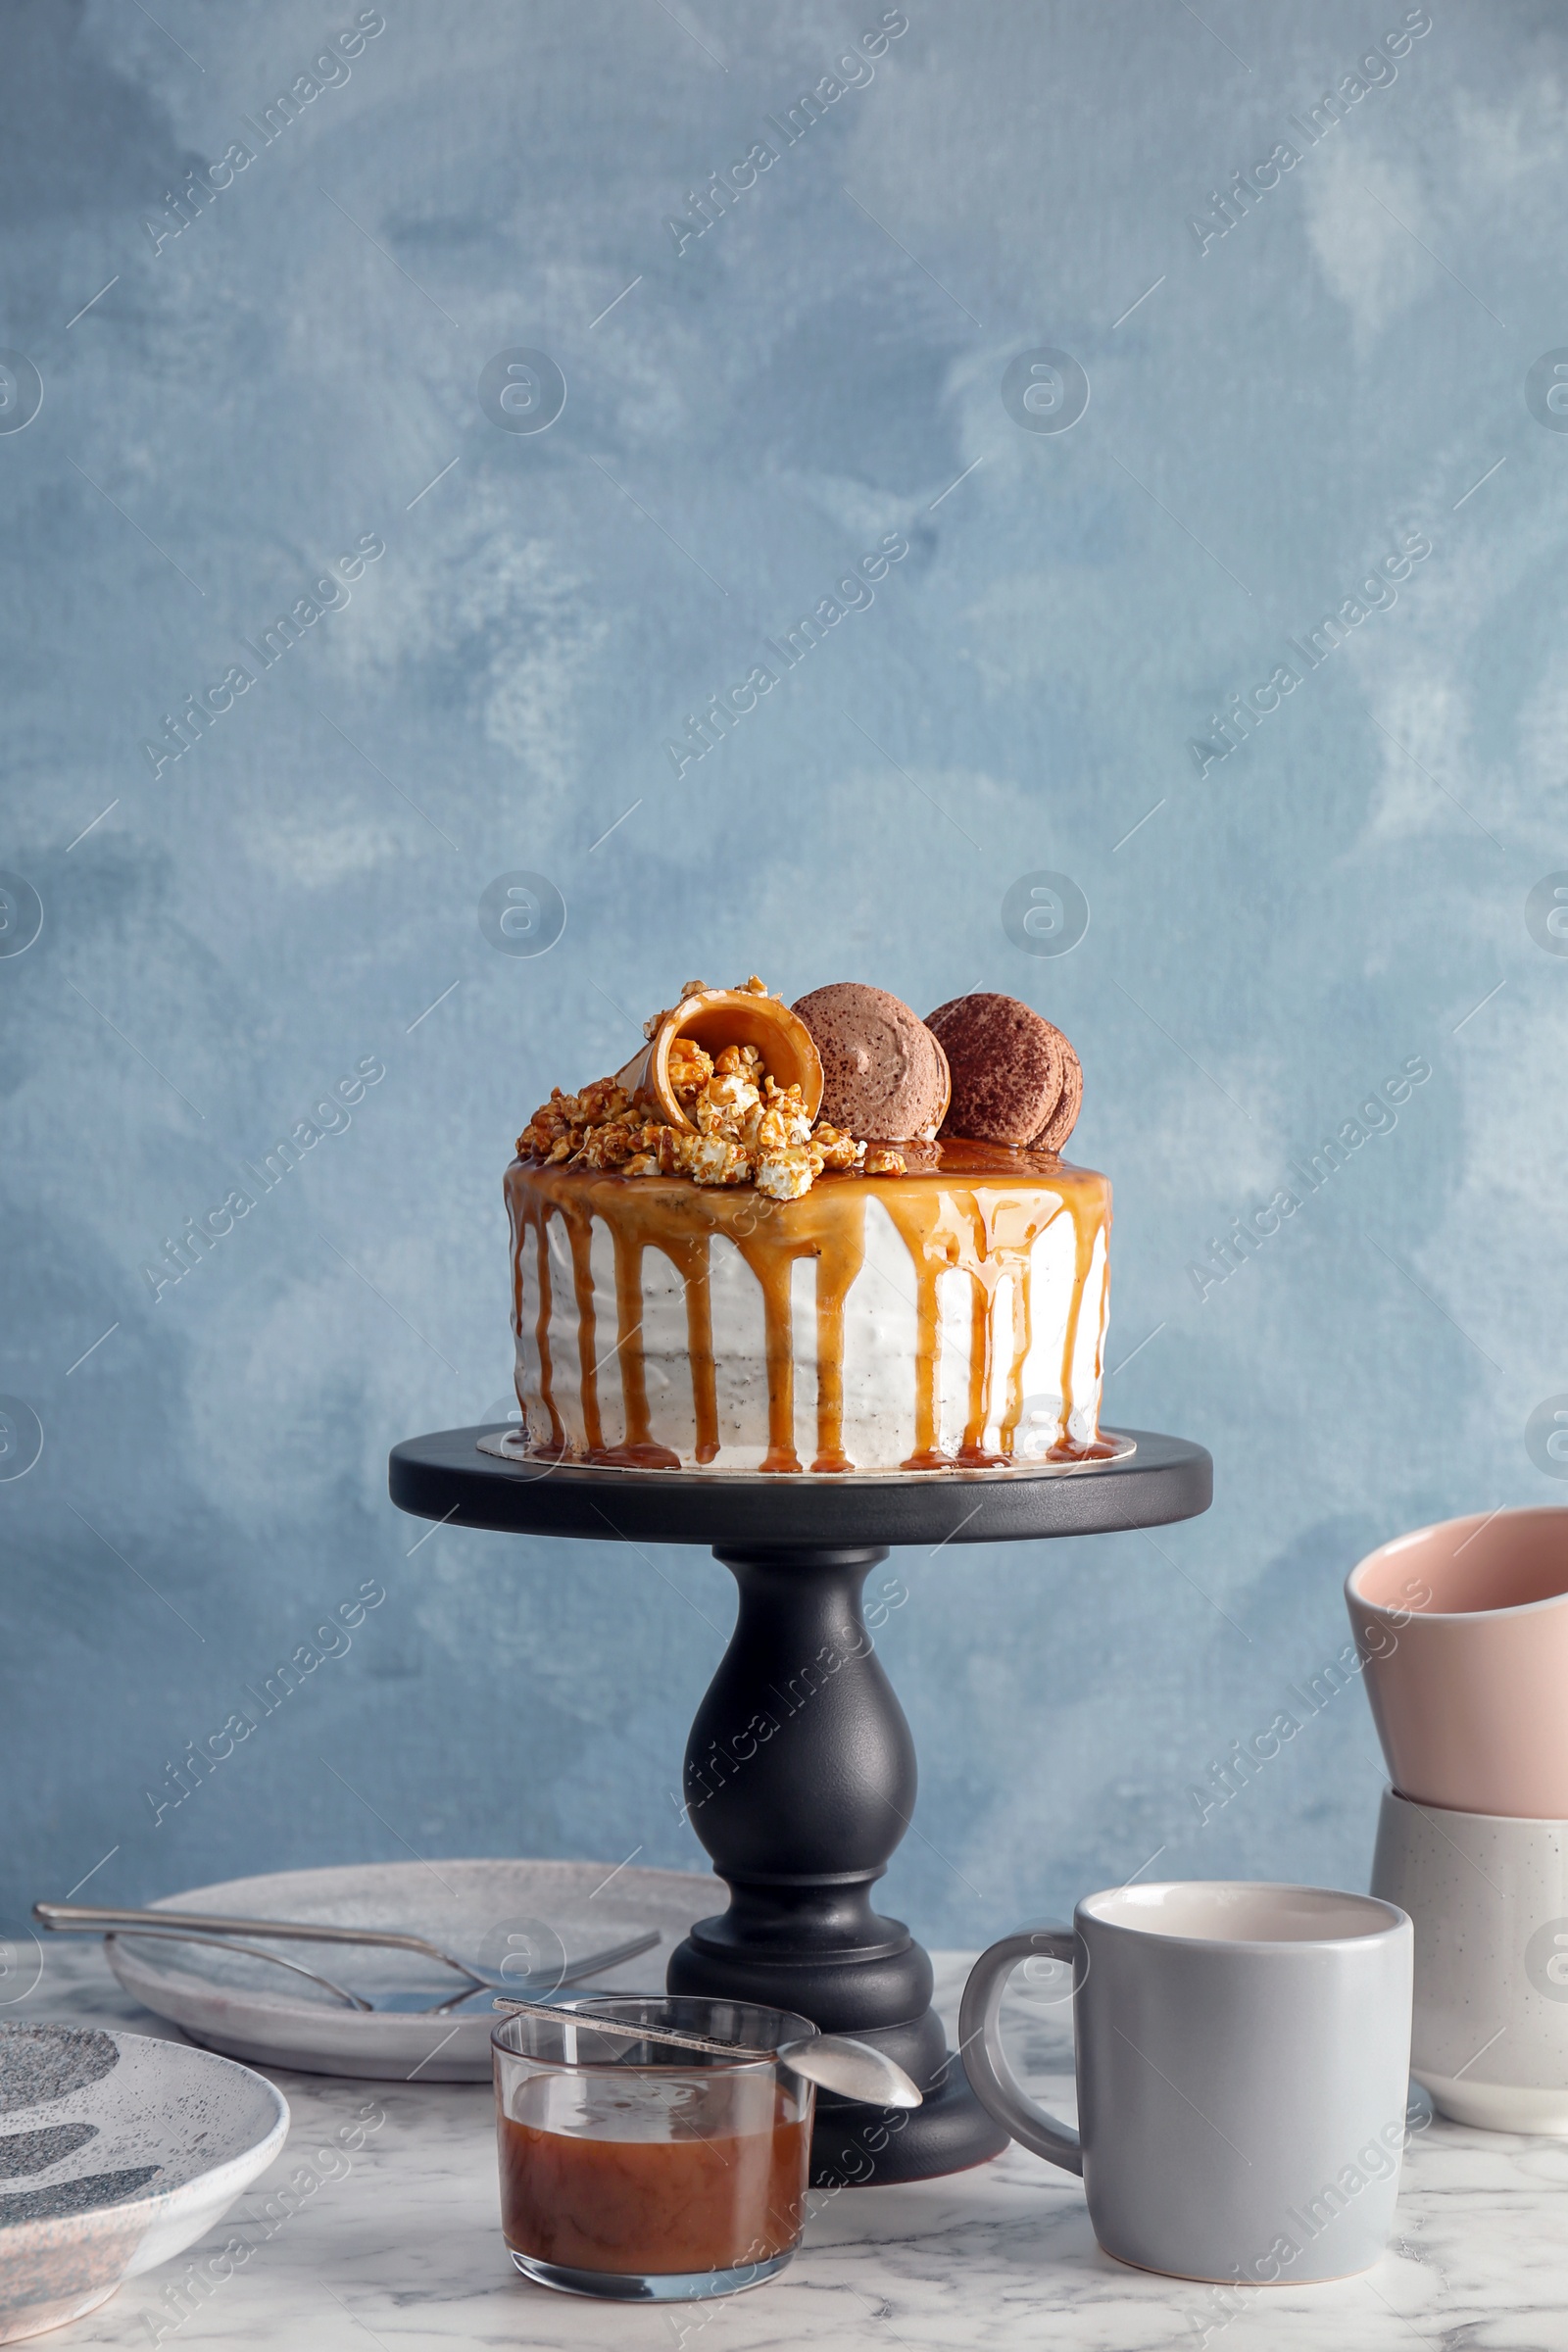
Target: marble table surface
400	2245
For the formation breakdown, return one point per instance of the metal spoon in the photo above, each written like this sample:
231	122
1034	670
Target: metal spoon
836	2061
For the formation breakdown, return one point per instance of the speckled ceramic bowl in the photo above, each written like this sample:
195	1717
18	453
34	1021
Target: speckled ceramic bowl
117	2151
1489	1896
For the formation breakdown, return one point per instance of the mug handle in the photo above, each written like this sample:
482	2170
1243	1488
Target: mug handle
991	2078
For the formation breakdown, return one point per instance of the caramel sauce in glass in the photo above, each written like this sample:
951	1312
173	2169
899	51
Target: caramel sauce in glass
977	1210
647	2207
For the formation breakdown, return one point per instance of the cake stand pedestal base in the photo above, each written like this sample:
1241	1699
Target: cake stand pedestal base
800	1776
799	1781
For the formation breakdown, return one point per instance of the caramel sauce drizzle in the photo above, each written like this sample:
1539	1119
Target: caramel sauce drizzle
775	1269
978	1210
558	1435
1023	1319
522	1215
1063	1450
988	1234
700	1346
843	1253
580	1233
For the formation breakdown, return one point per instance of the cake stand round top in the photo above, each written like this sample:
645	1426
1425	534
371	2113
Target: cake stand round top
445	1477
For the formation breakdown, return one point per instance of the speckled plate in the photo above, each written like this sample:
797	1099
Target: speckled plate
478	1909
117	2151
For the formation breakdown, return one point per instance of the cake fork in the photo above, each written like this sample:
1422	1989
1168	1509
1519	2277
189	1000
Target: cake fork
225	1931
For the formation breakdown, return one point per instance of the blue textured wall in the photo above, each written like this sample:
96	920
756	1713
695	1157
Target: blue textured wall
1327	391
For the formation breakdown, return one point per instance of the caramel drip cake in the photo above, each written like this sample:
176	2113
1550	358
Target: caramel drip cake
815	1240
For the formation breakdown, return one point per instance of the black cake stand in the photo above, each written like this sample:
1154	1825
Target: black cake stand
800	1774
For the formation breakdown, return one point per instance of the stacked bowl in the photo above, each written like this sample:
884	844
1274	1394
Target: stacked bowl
1463	1635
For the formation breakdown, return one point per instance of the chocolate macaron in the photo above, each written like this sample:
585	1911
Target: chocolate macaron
1015	1078
884	1075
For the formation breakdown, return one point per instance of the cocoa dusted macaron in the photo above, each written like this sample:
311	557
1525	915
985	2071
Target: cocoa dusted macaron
883	1072
1015	1078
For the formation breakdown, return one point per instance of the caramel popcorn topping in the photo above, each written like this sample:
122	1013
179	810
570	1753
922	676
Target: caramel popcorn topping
749	1129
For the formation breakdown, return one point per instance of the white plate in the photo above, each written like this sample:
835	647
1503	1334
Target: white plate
511	1445
150	2141
260	2012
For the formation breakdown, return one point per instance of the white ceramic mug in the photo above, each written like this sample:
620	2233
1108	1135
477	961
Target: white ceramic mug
1243	2067
1489	1897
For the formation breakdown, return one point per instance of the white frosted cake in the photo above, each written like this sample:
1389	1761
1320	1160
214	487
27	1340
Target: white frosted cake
759	1289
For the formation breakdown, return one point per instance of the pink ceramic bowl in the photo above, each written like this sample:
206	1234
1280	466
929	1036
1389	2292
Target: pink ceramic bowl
1463	1635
